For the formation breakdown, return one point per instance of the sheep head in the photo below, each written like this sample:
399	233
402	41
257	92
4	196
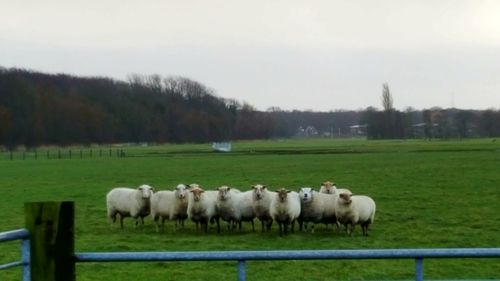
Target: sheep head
224	192
146	191
197	191
306	194
329	187
180	191
345	198
282	194
258	191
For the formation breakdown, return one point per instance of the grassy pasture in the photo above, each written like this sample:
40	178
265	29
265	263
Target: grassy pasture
429	194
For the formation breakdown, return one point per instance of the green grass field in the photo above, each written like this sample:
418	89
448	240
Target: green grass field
429	194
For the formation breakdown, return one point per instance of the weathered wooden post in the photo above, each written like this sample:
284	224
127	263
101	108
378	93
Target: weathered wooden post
51	226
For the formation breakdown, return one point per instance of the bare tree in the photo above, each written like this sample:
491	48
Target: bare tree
386	97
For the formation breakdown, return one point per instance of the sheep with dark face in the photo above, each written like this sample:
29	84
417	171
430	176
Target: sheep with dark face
129	202
285	209
261	205
171	205
202	207
355	209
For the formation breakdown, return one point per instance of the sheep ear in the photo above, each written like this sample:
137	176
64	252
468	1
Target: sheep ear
253	186
264	187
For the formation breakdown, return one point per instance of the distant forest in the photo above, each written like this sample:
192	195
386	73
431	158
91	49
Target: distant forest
45	109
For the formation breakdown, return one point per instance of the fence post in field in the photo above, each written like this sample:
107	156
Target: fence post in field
51	227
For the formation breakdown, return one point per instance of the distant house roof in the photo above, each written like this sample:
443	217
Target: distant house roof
222	146
358	126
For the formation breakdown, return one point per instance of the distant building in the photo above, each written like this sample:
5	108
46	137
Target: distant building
423	130
358	130
222	146
309	131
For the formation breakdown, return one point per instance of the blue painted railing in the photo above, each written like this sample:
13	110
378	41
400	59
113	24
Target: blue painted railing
242	256
24	236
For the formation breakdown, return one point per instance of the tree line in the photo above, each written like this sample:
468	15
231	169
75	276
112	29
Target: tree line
39	109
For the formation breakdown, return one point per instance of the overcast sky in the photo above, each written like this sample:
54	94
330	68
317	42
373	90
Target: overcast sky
306	55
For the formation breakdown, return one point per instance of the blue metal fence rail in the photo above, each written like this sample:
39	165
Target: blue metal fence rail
242	256
24	236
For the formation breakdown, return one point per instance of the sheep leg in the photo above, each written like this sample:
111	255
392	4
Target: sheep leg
163	224
112	217
351	229
280	225
121	221
204	225
337	223
218	224
269	224
364	227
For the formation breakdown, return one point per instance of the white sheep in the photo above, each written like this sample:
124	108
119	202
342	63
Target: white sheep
201	207
261	203
171	205
316	207
329	187
285	209
235	206
357	209
129	202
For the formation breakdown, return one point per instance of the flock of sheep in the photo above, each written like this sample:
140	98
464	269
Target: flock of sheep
329	205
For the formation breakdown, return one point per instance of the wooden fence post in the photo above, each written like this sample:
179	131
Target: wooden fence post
51	226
